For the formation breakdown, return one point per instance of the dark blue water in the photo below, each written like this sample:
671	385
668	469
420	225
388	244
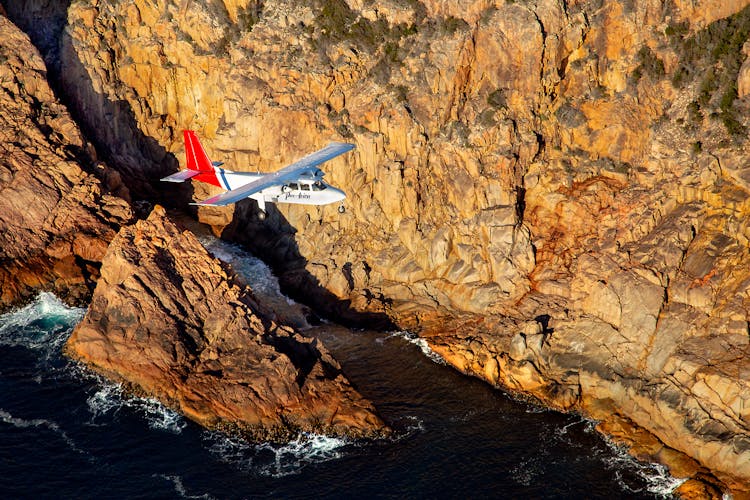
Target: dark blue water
65	433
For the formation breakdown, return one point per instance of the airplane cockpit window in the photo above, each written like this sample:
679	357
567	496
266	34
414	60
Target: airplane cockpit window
318	186
294	186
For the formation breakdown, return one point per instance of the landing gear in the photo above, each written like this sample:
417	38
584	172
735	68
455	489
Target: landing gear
342	209
261	209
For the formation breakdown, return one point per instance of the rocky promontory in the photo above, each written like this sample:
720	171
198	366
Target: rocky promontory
168	320
554	193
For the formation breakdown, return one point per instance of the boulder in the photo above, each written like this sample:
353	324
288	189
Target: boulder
170	321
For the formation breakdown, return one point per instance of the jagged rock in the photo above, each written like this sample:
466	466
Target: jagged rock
517	350
167	320
514	160
56	218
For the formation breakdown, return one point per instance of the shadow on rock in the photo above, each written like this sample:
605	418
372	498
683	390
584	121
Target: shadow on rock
273	240
141	161
109	123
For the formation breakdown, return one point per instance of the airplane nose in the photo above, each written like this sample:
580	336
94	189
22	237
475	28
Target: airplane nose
340	195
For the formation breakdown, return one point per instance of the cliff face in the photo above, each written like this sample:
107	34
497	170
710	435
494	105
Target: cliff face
55	218
490	137
168	321
566	180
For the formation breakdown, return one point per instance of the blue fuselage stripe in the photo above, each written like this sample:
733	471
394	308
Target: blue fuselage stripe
224	179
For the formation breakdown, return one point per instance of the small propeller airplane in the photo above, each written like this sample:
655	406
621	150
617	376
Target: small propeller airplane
300	183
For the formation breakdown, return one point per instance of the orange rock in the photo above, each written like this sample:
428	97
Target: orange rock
515	162
167	320
49	203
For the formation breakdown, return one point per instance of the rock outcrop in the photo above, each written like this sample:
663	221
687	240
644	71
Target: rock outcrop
167	320
56	217
566	180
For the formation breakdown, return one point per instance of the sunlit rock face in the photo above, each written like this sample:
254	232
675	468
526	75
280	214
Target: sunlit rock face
56	218
168	321
432	223
575	173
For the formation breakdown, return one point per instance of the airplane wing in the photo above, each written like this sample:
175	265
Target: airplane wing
288	173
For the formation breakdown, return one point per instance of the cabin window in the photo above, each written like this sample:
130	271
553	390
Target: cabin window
304	187
294	186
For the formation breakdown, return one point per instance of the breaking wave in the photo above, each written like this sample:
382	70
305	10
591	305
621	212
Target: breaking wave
415	339
110	398
407	427
658	481
251	269
656	476
253	272
43	325
276	460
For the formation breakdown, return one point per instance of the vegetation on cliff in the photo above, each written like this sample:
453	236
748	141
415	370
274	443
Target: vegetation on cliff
566	182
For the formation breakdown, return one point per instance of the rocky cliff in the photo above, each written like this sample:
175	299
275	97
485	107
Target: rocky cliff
167	320
56	211
566	181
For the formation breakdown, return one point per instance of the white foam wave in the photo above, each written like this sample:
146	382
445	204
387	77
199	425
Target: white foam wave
253	272
615	457
528	472
180	489
21	423
657	479
413	338
656	476
292	457
42	325
230	449
110	398
251	269
565	428
415	424
277	460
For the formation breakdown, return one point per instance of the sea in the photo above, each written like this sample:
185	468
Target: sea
66	432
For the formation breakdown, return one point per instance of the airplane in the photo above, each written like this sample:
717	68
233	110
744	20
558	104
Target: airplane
300	183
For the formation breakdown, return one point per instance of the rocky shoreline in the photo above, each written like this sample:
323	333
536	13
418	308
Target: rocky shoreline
167	320
551	194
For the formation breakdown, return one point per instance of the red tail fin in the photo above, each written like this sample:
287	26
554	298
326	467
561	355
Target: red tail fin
197	159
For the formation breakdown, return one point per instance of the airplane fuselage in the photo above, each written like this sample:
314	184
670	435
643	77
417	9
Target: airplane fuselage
306	190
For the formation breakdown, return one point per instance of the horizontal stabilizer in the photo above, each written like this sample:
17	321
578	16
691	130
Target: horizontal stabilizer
181	176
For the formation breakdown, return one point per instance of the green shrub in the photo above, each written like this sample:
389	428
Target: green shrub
712	57
648	64
497	99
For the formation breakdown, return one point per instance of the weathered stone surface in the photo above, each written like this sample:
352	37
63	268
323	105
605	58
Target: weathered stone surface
55	217
168	321
556	162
